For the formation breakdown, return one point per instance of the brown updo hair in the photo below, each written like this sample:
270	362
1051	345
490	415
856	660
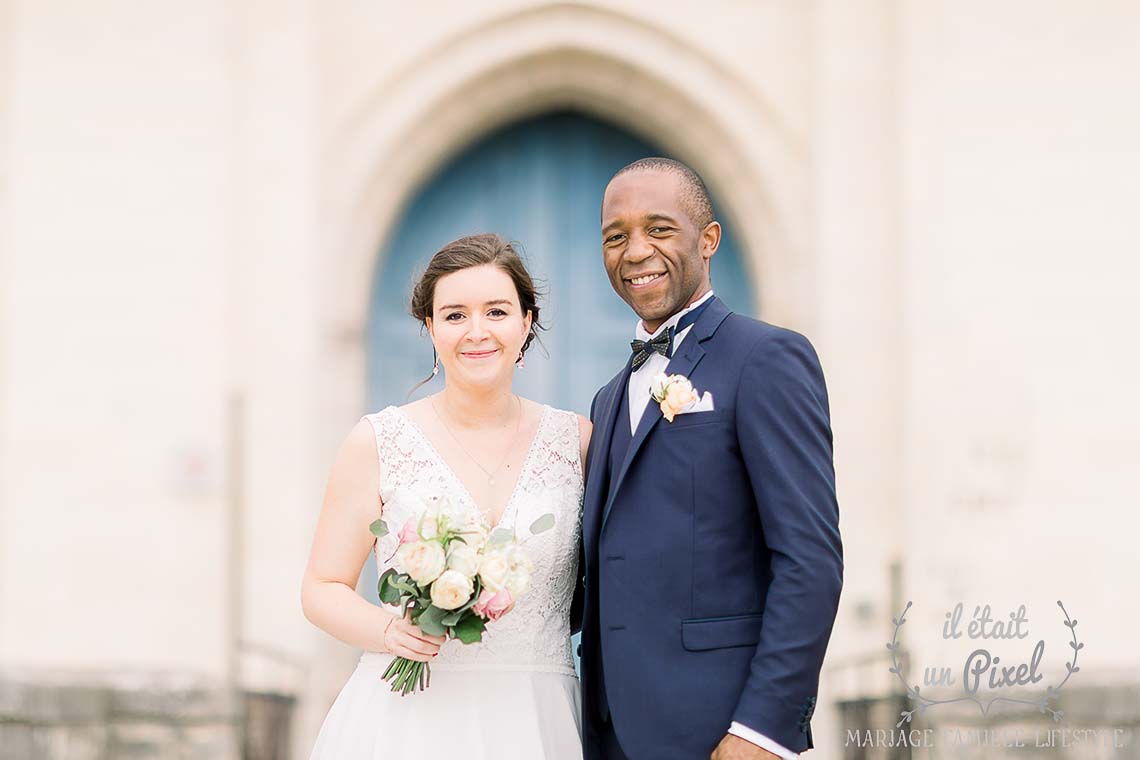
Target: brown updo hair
474	251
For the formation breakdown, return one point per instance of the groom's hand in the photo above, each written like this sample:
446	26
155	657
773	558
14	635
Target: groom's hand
734	748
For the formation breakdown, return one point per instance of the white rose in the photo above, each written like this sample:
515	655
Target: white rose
463	558
518	581
474	532
429	527
423	560
657	388
519	559
451	590
676	384
451	512
493	570
476	538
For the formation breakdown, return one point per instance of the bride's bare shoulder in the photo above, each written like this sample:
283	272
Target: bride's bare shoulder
359	446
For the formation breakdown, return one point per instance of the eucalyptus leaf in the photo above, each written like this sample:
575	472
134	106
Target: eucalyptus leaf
388	591
470	629
430	621
542	524
451	618
379	528
405	584
500	536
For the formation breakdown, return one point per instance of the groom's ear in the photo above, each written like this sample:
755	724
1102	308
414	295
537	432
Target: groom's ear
710	239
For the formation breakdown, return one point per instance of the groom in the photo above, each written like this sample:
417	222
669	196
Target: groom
713	562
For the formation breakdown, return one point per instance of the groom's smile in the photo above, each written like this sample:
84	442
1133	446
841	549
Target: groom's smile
644	281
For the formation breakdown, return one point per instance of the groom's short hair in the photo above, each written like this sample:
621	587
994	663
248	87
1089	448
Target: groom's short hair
694	194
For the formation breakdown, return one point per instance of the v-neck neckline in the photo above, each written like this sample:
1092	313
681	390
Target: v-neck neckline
459	481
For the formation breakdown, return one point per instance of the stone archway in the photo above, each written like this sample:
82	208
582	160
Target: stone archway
539	60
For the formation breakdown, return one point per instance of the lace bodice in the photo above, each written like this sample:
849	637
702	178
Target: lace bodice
535	635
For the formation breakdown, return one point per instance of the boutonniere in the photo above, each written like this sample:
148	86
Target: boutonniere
673	393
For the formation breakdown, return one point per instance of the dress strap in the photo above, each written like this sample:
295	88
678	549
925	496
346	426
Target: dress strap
572	440
385	426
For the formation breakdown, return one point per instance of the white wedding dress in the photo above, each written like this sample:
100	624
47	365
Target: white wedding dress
514	695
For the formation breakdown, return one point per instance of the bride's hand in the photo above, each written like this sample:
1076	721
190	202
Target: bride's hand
405	639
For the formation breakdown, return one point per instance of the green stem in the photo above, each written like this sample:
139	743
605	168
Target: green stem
406	676
405	672
392	666
410	681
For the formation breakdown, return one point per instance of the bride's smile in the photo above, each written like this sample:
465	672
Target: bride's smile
478	326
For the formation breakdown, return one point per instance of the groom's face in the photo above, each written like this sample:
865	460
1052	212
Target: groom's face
656	257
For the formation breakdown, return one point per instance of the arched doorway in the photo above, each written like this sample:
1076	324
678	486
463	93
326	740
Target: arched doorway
538	182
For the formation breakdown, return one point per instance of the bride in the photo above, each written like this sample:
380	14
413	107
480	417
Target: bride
513	695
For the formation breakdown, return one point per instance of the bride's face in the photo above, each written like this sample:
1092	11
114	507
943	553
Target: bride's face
477	325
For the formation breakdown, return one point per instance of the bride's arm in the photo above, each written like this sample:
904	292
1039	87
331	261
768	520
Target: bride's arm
341	546
585	430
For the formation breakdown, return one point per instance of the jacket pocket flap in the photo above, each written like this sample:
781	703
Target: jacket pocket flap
718	633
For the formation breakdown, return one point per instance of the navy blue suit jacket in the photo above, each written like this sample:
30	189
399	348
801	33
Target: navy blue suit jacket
713	562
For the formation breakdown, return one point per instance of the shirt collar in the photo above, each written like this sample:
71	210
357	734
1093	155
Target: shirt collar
641	334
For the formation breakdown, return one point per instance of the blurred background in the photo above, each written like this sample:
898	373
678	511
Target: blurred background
211	214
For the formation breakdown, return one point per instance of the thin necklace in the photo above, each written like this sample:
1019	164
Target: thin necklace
489	473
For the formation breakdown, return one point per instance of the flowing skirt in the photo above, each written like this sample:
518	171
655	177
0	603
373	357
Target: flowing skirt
476	714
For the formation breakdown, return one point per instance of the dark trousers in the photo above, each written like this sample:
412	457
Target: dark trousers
602	743
601	740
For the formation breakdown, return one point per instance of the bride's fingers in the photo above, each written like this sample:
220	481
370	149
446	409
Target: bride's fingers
423	647
413	630
408	654
437	640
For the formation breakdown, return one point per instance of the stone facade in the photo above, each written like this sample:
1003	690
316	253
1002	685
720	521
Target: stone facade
192	197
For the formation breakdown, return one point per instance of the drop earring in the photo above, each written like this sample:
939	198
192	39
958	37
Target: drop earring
429	378
520	362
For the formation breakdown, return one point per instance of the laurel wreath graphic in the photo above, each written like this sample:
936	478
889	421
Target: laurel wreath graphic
923	703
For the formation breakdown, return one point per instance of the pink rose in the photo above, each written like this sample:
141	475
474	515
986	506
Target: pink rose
492	605
408	533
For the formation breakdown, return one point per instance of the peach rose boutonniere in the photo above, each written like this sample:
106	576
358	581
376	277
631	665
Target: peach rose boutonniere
673	393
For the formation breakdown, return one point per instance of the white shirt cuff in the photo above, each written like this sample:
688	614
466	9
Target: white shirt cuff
761	741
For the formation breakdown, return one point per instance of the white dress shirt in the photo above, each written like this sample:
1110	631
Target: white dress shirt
639	397
641	379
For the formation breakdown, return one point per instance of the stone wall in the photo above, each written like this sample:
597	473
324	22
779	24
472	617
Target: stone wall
153	718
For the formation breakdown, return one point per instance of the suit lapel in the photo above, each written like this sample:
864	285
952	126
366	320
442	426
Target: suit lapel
683	363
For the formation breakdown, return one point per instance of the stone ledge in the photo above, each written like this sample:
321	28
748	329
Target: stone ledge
54	703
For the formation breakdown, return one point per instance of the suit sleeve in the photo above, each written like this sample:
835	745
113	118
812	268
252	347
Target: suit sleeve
785	439
579	600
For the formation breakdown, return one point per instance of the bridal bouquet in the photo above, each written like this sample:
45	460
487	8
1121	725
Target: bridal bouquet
452	576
